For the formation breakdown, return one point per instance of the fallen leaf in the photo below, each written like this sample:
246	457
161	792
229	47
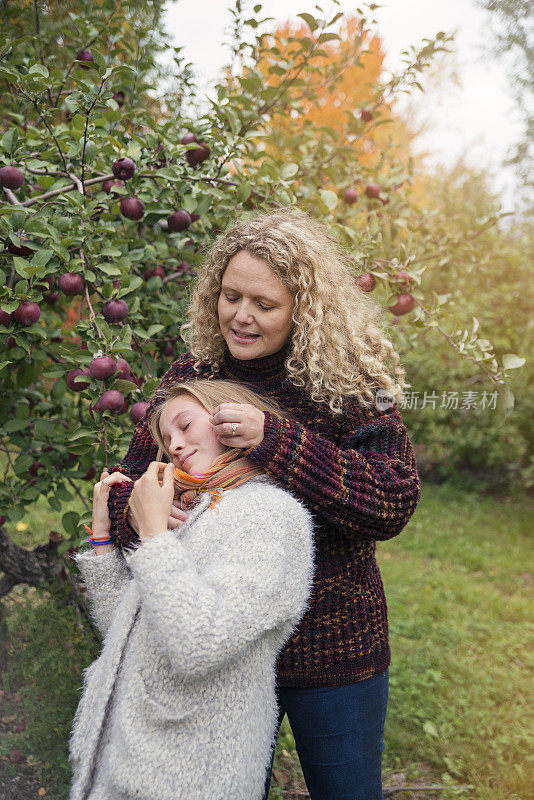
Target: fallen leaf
41	792
21	526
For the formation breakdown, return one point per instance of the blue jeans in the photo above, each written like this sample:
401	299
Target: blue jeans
339	736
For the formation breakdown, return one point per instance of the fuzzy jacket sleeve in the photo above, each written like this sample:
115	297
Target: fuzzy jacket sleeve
368	483
142	450
105	576
259	580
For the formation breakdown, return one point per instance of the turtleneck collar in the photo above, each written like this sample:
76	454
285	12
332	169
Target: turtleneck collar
255	370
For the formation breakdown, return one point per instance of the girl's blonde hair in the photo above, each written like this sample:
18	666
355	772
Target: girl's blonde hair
210	393
338	347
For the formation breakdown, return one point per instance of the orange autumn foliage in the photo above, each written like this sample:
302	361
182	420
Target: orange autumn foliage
356	90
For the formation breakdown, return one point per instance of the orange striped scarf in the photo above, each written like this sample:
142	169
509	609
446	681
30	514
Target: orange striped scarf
228	470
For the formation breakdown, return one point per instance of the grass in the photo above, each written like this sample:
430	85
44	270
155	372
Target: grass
458	583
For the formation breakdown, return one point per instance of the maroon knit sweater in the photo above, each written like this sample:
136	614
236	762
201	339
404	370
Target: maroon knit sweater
356	473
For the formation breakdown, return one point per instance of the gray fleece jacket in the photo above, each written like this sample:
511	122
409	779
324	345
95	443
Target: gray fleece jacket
180	704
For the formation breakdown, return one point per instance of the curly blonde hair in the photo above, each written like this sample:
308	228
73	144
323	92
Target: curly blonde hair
339	348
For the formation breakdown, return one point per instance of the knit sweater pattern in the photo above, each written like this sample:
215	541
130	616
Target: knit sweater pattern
355	472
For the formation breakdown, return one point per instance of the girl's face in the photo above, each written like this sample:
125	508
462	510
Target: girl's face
188	435
255	308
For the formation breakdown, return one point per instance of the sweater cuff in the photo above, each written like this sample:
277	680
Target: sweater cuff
273	431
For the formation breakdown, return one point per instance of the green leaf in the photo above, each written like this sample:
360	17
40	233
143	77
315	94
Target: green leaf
54	503
38	69
70	522
511	361
328	37
41	258
329	198
312	22
109	269
9	140
13	425
90	150
289	170
243	192
126	387
81	433
135	283
99	61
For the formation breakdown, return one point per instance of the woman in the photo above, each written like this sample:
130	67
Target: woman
276	307
181	703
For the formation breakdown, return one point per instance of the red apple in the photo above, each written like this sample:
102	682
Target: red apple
11	178
72	374
168	350
197	155
372	190
367	282
90	474
85	55
5	318
51	298
350	196
138	411
149	273
189	138
404	305
71	283
132	208
112	400
33	469
123	369
194	217
366	115
115	310
184	267
123	168
119	98
22	251
106	186
15	756
403	277
179	221
11	342
27	313
103	367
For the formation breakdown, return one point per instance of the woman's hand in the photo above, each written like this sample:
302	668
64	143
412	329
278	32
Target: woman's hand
101	522
249	419
151	499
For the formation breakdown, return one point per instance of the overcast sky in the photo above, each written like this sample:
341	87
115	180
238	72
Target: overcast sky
476	119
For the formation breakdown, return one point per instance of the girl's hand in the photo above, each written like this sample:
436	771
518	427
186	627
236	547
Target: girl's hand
101	522
178	516
151	499
249	419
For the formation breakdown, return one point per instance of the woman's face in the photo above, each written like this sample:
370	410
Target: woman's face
188	435
255	308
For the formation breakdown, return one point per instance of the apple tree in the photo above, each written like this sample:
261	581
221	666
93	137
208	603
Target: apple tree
114	175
